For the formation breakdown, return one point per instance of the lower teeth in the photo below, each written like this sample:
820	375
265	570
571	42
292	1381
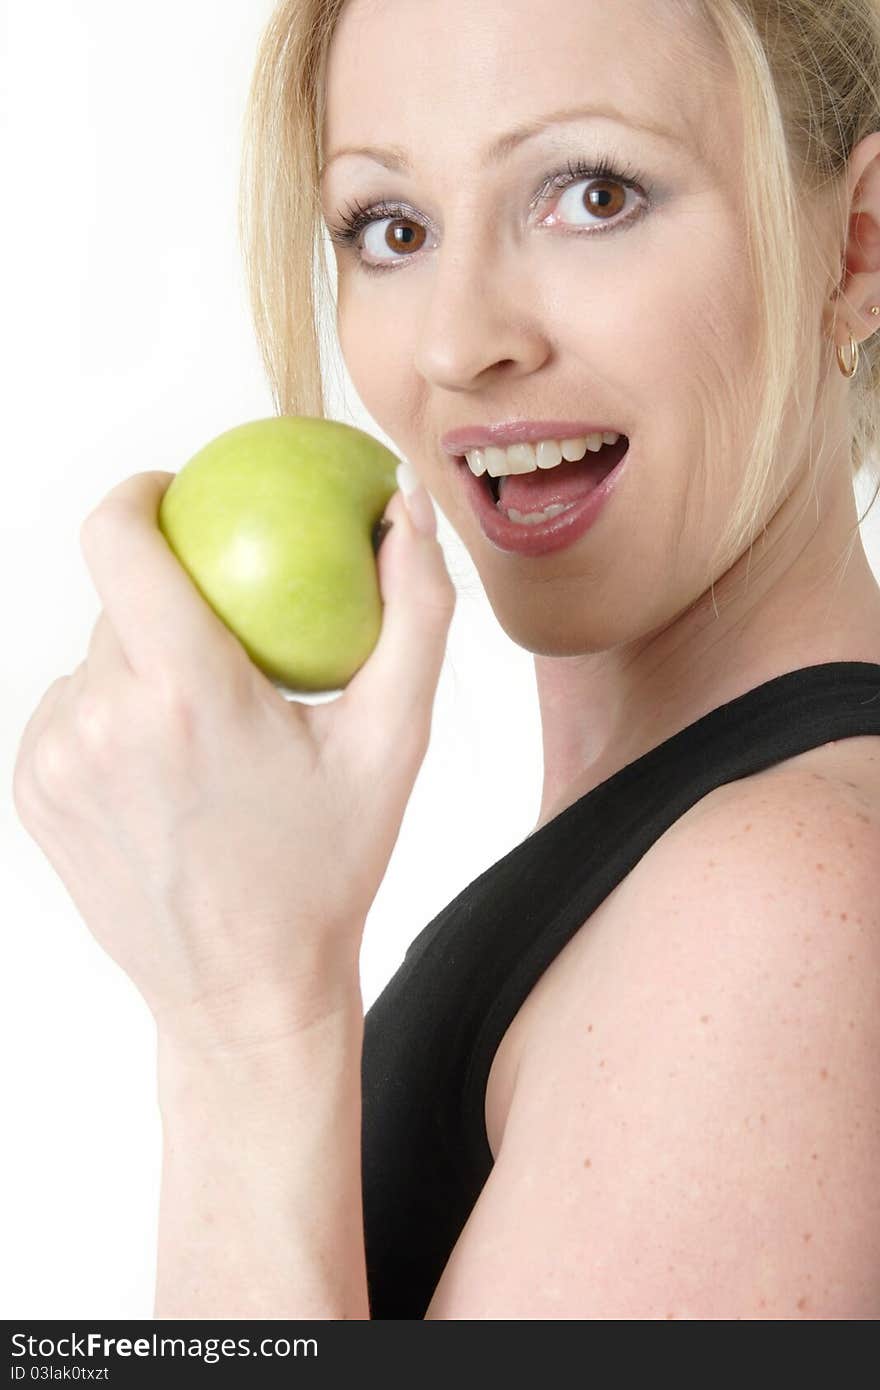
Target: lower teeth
534	518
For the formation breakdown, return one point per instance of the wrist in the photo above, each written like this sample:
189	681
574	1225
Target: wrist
252	1046
260	1210
260	1008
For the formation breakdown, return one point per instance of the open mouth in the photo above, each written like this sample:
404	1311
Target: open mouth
564	484
548	509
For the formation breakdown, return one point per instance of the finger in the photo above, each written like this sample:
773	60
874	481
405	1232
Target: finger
96	697
43	715
164	625
105	660
397	683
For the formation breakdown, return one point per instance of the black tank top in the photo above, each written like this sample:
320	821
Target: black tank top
431	1035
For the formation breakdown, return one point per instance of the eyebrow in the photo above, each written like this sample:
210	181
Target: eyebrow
394	157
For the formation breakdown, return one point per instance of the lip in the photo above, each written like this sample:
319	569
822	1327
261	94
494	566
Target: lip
458	442
547	536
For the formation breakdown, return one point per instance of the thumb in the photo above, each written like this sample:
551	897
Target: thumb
396	685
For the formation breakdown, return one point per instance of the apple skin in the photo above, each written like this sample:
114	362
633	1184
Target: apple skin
274	522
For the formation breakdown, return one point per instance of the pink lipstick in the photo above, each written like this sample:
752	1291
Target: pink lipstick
558	532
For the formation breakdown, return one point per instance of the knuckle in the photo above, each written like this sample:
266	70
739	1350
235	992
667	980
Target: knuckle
93	518
93	721
24	792
441	605
91	525
42	757
103	517
52	764
174	705
444	590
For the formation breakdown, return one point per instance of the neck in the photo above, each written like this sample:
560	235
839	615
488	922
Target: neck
809	599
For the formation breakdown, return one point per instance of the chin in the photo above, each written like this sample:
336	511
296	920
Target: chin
545	621
575	619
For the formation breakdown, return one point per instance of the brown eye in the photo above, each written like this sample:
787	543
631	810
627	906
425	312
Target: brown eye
601	194
401	234
606	196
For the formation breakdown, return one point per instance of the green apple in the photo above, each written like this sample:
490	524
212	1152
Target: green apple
277	524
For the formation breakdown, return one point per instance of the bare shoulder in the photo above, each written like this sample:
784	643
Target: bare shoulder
846	768
769	823
694	1129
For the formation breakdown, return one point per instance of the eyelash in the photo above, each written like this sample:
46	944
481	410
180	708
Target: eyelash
357	218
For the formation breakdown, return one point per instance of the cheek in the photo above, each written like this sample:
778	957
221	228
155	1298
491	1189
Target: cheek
353	337
695	364
379	361
365	345
687	323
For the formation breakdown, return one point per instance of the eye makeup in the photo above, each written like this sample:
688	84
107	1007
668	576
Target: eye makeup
356	218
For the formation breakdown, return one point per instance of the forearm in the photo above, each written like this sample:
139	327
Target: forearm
261	1211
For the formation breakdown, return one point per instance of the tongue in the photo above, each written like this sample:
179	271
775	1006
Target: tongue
567	482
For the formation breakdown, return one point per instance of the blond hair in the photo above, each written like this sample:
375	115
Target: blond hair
808	74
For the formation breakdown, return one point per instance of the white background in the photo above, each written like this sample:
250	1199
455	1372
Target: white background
127	345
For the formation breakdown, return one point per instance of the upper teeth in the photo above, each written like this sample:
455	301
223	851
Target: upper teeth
525	458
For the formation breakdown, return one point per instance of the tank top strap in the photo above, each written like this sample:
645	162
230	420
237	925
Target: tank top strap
545	888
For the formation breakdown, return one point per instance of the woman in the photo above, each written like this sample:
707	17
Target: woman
631	1072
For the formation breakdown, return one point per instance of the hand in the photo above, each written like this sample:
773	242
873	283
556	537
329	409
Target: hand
223	845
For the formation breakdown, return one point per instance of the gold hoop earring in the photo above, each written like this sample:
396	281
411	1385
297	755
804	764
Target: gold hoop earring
850	371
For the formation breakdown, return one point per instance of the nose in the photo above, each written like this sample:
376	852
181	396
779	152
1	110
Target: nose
479	318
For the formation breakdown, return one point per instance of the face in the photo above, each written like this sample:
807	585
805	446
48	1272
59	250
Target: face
491	293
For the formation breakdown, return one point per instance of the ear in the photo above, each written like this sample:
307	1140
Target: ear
848	309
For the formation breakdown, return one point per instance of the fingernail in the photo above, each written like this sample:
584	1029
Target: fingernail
417	499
